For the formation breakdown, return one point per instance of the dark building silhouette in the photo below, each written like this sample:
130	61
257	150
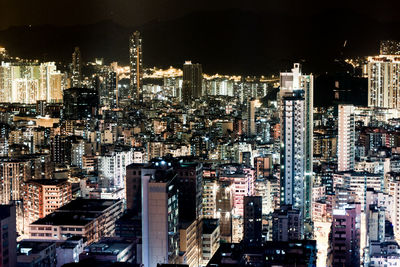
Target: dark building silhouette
345	238
188	181
224	207
286	224
80	104
190	177
192	87
112	89
252	219
76	68
8	234
302	253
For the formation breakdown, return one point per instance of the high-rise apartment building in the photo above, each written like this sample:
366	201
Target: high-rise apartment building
190	177
76	68
297	90
224	207
210	189
383	82
292	149
5	130
251	117
192	87
112	166
50	83
44	196
211	239
13	172
345	237
111	85
389	47
187	179
393	188
346	138
242	181
188	246
29	82
136	65
160	218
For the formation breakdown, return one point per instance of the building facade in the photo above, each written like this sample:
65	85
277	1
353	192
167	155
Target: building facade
346	138
136	65
8	236
44	196
383	85
299	112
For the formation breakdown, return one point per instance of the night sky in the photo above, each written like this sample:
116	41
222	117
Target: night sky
225	36
138	12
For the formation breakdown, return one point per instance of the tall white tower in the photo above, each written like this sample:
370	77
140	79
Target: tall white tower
292	148
297	100
383	82
346	138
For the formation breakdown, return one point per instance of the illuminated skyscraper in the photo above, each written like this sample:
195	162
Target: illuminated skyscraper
297	139
292	149
192	87
29	82
111	85
76	68
50	83
136	65
383	82
346	138
390	47
251	119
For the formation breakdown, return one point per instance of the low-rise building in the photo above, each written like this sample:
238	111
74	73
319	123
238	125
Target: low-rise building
110	250
89	218
36	253
68	251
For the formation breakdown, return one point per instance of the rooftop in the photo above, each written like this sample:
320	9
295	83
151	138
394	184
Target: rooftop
68	219
77	212
108	246
48	181
88	205
32	247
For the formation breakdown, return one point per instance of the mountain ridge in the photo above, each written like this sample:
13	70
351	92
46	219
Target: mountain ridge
225	41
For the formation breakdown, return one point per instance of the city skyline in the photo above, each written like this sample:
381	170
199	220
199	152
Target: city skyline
189	140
